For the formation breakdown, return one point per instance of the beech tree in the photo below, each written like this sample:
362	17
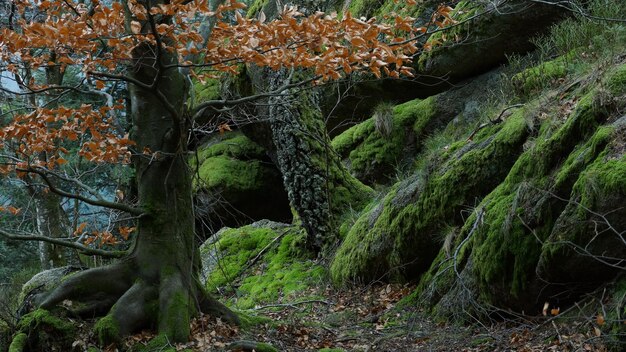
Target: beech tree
152	49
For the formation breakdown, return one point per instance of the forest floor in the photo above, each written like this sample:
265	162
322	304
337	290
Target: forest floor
369	319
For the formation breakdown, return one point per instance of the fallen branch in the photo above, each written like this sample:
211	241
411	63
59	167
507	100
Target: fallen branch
493	122
292	305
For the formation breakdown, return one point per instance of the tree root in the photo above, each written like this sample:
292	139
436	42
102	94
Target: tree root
132	302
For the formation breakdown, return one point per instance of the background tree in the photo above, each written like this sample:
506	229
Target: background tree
155	283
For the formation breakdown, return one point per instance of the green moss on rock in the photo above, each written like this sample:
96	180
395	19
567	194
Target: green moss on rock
19	343
45	329
500	254
540	76
399	237
616	81
285	267
233	164
373	157
42	317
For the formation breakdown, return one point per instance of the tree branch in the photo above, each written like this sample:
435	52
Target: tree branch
82	248
97	202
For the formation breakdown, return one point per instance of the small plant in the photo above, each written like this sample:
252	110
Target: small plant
383	118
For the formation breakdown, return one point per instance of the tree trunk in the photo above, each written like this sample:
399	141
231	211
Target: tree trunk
52	222
157	284
319	187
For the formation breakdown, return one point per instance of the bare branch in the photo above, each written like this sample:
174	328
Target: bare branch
82	248
97	202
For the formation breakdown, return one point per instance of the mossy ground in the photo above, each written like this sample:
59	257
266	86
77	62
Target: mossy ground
282	266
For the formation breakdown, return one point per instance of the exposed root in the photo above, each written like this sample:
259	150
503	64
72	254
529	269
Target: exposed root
175	306
132	302
211	306
97	286
131	311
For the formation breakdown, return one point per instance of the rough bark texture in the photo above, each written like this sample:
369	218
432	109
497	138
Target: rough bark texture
319	187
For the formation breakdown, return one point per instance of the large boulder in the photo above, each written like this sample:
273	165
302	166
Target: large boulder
233	178
553	229
386	144
399	236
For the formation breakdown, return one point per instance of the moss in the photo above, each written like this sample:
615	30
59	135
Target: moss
108	330
235	248
41	317
158	343
233	144
230	173
174	320
400	7
287	272
616	81
505	253
285	266
398	231
331	350
265	347
19	343
582	156
209	90
364	8
601	179
538	77
374	157
232	163
250	320
44	330
256	7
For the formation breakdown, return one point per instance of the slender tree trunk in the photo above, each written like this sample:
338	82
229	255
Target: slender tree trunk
52	221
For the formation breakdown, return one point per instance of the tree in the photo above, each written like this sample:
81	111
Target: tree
152	55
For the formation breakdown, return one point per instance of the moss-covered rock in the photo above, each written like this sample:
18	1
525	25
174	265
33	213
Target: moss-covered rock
482	42
542	75
232	181
510	238
43	330
400	236
19	343
373	156
108	330
275	252
585	245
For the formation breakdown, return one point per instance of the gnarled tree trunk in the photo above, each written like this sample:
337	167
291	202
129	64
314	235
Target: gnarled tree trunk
157	284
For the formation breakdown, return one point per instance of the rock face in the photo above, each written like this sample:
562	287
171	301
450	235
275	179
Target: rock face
233	179
486	34
519	212
44	281
375	158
